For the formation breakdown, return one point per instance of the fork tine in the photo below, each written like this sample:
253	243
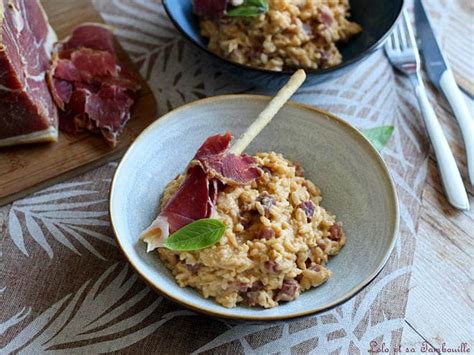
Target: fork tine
404	40
396	39
409	36
401	48
390	42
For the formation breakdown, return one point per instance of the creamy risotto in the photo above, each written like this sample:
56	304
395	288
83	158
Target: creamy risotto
291	34
276	245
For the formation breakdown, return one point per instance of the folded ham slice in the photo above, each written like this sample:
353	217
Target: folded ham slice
91	35
27	111
227	168
190	203
211	168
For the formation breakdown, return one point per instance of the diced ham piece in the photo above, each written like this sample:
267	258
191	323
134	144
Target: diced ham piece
308	208
196	197
299	171
257	286
271	266
102	93
245	220
194	268
289	290
250	294
335	232
27	111
267	202
241	286
265	233
226	167
325	16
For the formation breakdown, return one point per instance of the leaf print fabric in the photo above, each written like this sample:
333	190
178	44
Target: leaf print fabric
65	287
48	211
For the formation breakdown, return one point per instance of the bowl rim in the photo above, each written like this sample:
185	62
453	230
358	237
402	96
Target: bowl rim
211	312
312	72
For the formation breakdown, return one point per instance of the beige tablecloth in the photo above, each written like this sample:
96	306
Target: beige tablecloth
65	287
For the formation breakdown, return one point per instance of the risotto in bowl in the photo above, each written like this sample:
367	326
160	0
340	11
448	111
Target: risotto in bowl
276	244
265	41
289	34
302	225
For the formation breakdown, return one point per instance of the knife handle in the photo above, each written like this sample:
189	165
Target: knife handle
449	172
463	116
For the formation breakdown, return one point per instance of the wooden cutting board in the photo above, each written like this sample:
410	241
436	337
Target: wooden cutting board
25	169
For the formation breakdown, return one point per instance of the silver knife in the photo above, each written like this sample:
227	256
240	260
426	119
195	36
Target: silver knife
442	77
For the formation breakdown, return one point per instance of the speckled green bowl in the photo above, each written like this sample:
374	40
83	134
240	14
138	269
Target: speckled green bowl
353	178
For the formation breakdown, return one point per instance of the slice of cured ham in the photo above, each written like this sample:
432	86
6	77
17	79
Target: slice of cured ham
27	111
226	167
190	203
195	199
91	89
91	35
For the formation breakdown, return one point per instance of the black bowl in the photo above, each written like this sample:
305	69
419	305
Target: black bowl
377	18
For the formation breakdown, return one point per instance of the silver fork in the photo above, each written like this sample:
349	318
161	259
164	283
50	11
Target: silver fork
402	53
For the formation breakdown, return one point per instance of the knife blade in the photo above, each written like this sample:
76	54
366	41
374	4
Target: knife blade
434	59
442	78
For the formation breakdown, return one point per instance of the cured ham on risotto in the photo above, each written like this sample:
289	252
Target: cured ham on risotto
195	199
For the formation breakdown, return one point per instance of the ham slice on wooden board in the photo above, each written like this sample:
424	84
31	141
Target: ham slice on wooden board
91	35
92	90
28	113
211	168
26	169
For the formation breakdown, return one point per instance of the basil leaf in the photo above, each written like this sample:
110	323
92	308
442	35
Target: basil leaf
378	136
197	235
249	8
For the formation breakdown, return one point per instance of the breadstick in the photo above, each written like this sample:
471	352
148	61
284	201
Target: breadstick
269	112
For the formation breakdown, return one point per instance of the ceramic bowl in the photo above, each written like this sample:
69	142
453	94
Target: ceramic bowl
353	179
376	17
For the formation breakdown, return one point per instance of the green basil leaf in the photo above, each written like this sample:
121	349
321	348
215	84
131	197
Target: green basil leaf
378	136
197	235
250	8
259	3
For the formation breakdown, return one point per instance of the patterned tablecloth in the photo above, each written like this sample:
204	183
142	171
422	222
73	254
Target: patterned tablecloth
64	285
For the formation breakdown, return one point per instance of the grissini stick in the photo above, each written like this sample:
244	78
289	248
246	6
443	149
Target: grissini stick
269	112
